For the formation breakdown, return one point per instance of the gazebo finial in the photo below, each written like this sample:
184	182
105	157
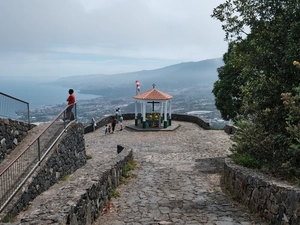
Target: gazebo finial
153	85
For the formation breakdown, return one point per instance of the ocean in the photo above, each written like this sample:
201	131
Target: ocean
38	93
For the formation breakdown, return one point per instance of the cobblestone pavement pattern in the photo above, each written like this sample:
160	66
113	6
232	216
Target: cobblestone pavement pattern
177	180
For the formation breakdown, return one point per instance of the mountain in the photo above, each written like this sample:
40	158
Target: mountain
178	76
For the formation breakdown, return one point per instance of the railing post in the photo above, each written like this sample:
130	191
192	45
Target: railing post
64	119
28	114
39	150
75	117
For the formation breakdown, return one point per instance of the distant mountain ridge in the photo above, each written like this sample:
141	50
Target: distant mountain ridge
182	75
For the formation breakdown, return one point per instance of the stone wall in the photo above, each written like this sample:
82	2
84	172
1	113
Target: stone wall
230	129
274	200
12	132
192	119
83	201
131	116
67	155
107	120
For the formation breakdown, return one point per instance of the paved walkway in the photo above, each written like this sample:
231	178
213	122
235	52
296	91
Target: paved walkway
178	180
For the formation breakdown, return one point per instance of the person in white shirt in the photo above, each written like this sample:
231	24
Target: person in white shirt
121	122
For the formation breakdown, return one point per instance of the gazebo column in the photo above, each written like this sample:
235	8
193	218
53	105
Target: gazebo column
165	115
161	112
136	114
142	103
144	115
170	113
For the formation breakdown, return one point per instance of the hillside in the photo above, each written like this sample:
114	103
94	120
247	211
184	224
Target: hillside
178	76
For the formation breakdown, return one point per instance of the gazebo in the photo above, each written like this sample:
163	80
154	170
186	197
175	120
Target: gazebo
154	119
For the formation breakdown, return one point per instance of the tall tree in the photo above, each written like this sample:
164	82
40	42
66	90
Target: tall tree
227	89
265	34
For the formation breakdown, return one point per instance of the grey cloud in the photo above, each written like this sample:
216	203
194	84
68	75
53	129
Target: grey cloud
40	30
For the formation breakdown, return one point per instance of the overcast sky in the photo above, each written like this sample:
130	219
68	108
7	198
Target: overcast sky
76	37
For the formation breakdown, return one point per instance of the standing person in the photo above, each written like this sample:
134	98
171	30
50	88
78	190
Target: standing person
121	122
71	102
113	124
117	114
93	122
106	130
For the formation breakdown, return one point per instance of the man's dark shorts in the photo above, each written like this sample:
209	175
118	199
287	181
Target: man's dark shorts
69	109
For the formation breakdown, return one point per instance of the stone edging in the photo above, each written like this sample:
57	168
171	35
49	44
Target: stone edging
67	155
130	116
276	201
81	201
230	129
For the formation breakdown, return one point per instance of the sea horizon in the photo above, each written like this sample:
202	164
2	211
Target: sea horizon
39	94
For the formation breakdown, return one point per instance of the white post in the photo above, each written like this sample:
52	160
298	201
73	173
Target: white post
135	110
144	114
170	113
170	109
165	115
161	113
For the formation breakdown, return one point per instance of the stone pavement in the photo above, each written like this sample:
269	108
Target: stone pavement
178	177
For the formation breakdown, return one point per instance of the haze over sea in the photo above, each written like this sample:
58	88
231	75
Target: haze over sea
38	93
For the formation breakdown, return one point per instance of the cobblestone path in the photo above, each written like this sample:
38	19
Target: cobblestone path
178	178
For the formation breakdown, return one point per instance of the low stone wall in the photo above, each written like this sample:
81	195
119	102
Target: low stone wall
276	201
107	120
67	155
12	132
192	119
83	200
131	116
230	129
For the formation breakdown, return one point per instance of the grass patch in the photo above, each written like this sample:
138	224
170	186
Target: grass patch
127	169
26	207
8	219
248	161
64	178
123	181
112	192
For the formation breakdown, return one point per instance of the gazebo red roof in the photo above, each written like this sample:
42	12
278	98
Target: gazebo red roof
153	94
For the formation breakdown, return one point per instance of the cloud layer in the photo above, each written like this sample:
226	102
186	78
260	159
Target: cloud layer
73	37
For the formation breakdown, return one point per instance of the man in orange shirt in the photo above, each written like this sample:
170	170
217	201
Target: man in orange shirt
71	102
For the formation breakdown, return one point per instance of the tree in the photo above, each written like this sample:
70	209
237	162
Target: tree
264	41
227	88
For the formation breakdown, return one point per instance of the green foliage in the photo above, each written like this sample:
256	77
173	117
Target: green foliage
248	160
123	180
227	88
131	165
249	146
64	177
112	192
259	82
8	219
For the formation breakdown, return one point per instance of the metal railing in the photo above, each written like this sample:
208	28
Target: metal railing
14	108
15	174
